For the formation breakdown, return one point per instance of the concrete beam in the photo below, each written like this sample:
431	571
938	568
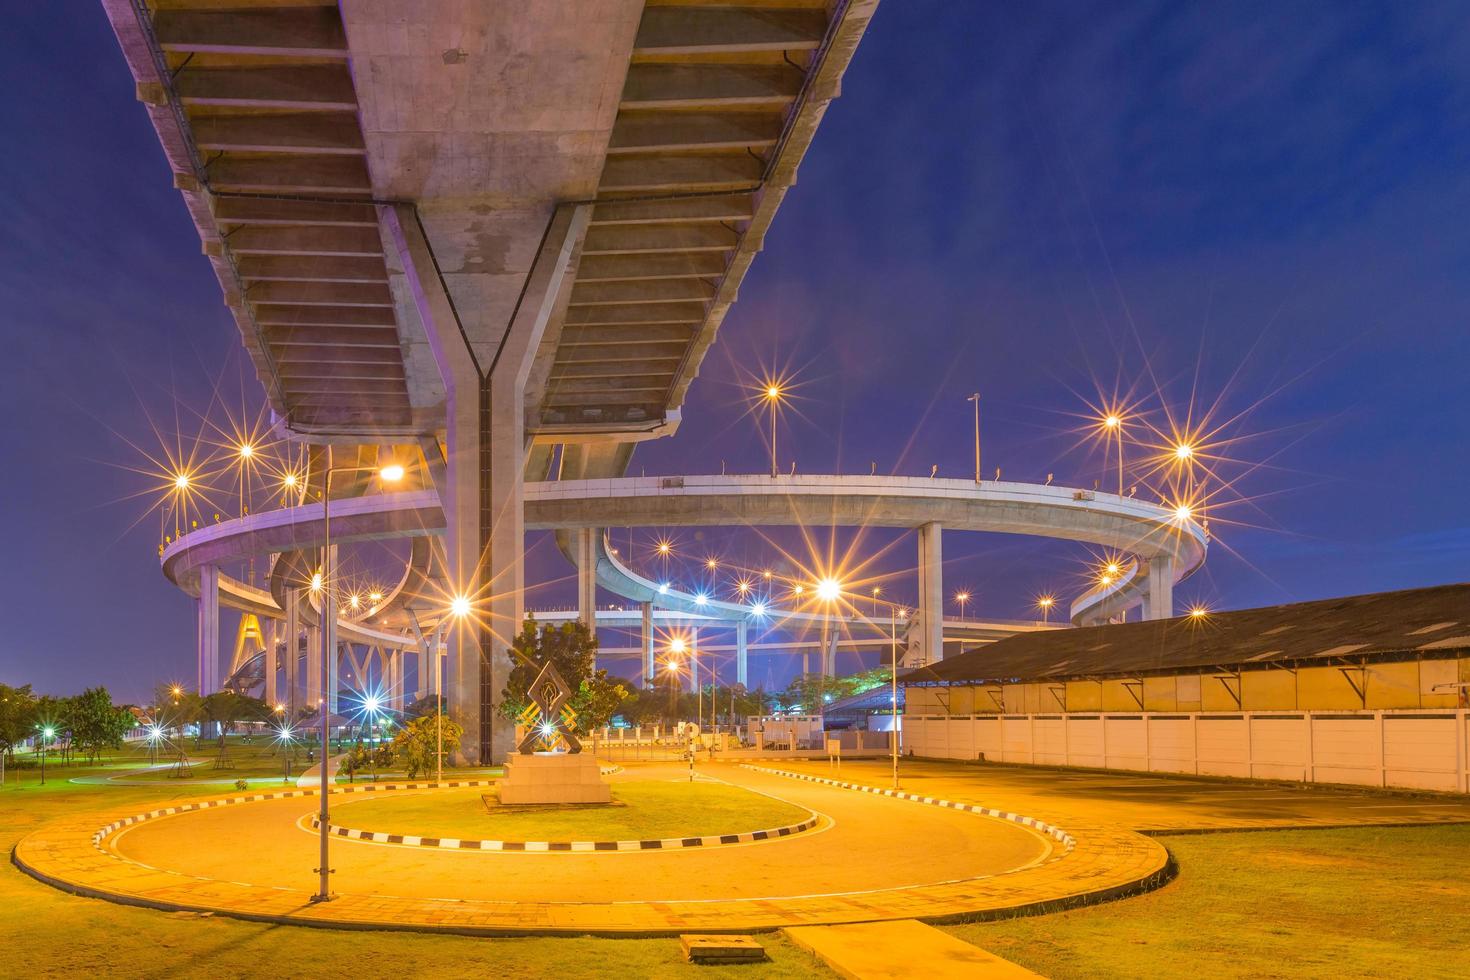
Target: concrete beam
636	293
716	30
270	292
663	132
1160	586
637	352
295	370
573	336
229	211
678	210
615	369
337	269
688	314
379	337
625	268
316	87
688	172
304	240
296	174
295	132
299	32
632	239
324	316
688	86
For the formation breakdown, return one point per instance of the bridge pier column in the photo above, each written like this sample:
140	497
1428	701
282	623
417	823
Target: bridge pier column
395	678
313	683
208	608
694	659
293	650
926	635
479	477
586	552
646	642
741	637
1160	602
272	662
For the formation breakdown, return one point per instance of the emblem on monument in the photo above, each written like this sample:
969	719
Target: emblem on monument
548	719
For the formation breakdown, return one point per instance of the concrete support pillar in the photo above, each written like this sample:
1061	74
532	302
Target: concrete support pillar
646	642
313	683
484	457
393	671
741	635
586	552
926	636
293	651
1160	601
694	659
272	662
208	605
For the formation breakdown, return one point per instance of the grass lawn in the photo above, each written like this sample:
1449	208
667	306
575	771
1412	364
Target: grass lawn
1365	902
48	933
650	809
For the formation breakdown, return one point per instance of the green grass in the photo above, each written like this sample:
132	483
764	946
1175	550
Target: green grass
51	934
1364	902
649	810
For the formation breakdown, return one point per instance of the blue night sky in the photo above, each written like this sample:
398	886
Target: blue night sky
1262	204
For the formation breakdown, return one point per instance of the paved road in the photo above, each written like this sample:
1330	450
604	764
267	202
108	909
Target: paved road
867	845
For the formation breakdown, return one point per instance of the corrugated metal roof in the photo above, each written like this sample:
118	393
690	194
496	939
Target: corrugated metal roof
1359	626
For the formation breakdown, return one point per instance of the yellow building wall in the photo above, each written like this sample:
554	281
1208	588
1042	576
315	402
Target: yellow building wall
1160	694
1120	695
921	701
961	700
1268	690
1214	695
1328	688
1084	696
1434	672
1187	691
1393	685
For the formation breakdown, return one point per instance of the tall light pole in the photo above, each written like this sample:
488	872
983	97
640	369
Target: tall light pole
1113	423
893	681
773	396
328	613
1044	604
976	399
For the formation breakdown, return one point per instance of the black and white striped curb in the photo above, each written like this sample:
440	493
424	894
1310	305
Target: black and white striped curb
582	846
1056	833
117	825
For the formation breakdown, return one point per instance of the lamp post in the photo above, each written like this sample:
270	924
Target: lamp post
773	396
1044	604
976	399
328	612
893	691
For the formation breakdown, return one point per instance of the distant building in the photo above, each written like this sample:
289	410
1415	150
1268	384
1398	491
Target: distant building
1368	689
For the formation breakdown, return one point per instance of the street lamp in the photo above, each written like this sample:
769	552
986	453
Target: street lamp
328	611
976	399
772	395
961	598
1044	604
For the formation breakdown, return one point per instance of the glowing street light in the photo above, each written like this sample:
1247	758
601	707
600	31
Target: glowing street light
773	395
1183	513
1113	421
391	473
246	450
962	598
758	609
711	563
181	482
829	589
1183	452
459	606
1198	612
1044	604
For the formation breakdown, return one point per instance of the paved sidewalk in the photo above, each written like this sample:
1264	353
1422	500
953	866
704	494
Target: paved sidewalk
901	949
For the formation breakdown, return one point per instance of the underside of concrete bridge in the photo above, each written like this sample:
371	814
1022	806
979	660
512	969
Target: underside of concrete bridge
488	230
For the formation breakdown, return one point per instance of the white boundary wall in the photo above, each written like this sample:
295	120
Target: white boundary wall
1424	749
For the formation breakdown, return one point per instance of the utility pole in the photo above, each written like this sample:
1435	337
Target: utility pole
976	399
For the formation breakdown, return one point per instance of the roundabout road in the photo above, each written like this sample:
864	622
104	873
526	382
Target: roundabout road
864	845
873	858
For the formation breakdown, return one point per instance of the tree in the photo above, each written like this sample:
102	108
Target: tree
228	709
571	648
17	716
96	723
416	742
598	699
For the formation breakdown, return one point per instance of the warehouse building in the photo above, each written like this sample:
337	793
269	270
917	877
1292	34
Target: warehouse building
1367	689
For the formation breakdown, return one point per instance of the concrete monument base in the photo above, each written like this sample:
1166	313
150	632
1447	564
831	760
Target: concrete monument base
553	777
